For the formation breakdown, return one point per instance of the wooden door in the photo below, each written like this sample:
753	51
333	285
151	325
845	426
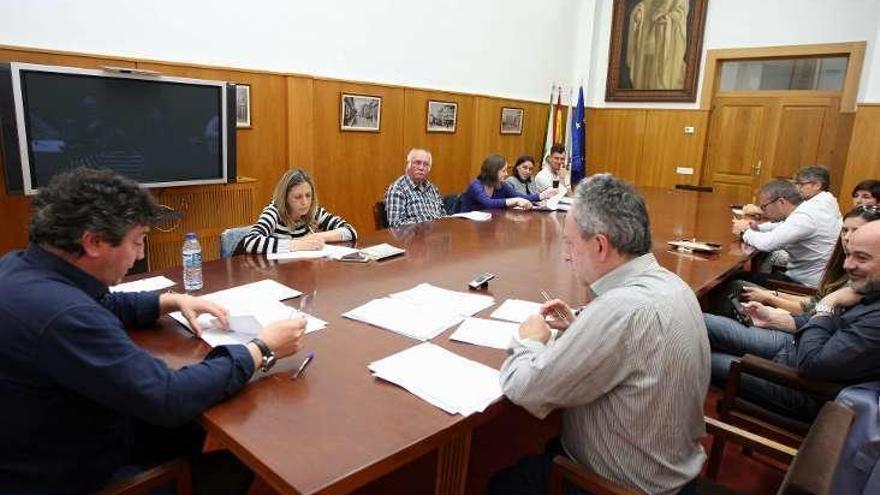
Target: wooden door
735	151
755	139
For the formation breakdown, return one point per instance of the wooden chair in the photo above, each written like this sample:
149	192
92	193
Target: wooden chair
732	408
380	216
810	472
790	288
176	471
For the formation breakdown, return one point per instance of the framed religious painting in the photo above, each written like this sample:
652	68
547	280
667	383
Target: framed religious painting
655	50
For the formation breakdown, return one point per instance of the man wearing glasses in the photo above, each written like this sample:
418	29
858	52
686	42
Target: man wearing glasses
804	220
412	198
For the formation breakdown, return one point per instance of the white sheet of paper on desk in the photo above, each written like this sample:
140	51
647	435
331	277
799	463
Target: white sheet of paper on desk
267	288
566	200
400	316
146	284
449	301
244	319
297	255
442	378
516	310
477	216
486	333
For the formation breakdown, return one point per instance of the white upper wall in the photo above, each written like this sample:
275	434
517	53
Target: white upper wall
510	48
750	23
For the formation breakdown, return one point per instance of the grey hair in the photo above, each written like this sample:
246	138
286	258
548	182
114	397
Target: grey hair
606	205
815	173
412	151
780	188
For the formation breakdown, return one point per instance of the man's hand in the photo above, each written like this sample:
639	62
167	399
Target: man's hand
191	307
740	225
767	317
549	312
284	337
535	328
842	298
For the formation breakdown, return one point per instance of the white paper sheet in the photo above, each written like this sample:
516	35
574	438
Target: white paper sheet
400	316
442	378
486	333
146	284
477	216
449	301
516	310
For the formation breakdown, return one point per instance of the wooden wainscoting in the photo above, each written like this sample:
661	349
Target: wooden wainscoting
646	146
863	160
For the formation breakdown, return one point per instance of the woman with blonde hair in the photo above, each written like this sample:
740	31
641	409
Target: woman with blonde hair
294	221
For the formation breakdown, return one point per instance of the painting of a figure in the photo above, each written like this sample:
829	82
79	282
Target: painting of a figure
655	50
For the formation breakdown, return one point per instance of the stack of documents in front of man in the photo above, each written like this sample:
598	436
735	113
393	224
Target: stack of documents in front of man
422	312
455	384
251	307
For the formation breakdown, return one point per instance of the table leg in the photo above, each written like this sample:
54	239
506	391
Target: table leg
452	465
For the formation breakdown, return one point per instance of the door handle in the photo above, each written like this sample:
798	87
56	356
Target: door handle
757	168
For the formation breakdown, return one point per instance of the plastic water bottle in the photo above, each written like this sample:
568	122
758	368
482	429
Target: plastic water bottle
192	263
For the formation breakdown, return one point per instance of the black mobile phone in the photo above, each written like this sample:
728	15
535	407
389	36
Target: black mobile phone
739	312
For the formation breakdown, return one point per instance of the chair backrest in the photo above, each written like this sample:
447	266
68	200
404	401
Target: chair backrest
380	216
230	238
812	470
451	202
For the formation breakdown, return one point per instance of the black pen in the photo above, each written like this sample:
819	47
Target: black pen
309	357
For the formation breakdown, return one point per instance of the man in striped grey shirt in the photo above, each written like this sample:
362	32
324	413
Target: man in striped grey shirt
631	370
412	198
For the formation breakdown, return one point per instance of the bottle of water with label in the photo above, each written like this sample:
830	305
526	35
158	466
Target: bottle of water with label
192	263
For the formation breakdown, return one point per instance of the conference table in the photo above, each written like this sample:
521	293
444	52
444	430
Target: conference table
338	428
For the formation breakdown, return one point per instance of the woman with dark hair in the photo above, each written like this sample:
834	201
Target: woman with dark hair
489	190
521	178
866	192
294	221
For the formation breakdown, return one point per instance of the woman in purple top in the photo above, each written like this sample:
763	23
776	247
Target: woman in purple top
489	190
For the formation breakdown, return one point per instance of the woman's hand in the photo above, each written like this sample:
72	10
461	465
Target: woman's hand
548	193
310	242
757	294
519	203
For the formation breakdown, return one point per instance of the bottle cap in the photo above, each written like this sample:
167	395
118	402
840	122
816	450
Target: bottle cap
190	235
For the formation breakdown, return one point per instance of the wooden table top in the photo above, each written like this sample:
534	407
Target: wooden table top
339	428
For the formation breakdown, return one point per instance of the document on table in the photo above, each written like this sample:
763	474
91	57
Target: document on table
487	333
516	310
328	251
442	378
450	301
146	284
400	316
477	216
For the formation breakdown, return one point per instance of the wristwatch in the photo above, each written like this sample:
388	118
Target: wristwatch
269	358
823	309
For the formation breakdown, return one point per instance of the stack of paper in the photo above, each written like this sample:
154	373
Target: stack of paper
328	251
422	312
146	284
380	251
477	216
251	307
487	333
516	310
448	381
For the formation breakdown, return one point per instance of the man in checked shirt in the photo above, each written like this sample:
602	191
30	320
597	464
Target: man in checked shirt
412	198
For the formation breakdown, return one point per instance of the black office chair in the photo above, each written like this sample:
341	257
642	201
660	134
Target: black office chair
689	187
380	216
451	202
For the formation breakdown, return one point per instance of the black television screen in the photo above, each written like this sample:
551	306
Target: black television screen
159	131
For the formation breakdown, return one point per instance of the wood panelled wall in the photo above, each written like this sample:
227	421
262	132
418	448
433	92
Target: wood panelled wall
646	146
863	159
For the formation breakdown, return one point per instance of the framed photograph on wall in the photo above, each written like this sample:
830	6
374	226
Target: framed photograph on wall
655	50
511	120
442	116
242	106
360	112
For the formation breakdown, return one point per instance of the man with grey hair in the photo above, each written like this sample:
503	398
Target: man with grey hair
412	198
638	350
806	229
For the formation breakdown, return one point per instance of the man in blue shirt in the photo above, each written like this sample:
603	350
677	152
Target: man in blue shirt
75	389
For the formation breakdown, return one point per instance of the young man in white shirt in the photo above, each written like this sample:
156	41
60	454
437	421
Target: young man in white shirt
554	173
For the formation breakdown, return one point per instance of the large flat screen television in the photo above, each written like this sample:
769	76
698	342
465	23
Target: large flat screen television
160	131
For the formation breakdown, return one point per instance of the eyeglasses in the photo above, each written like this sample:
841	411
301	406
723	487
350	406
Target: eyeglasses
768	203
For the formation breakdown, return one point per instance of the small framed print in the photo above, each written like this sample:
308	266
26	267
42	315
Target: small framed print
242	106
442	116
360	113
511	120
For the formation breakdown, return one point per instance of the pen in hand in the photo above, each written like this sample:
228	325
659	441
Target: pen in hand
559	314
309	357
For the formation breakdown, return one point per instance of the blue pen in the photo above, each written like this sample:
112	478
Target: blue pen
309	357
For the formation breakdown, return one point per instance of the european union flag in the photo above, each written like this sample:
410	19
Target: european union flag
578	141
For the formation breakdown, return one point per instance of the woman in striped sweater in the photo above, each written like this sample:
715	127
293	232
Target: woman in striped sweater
293	221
